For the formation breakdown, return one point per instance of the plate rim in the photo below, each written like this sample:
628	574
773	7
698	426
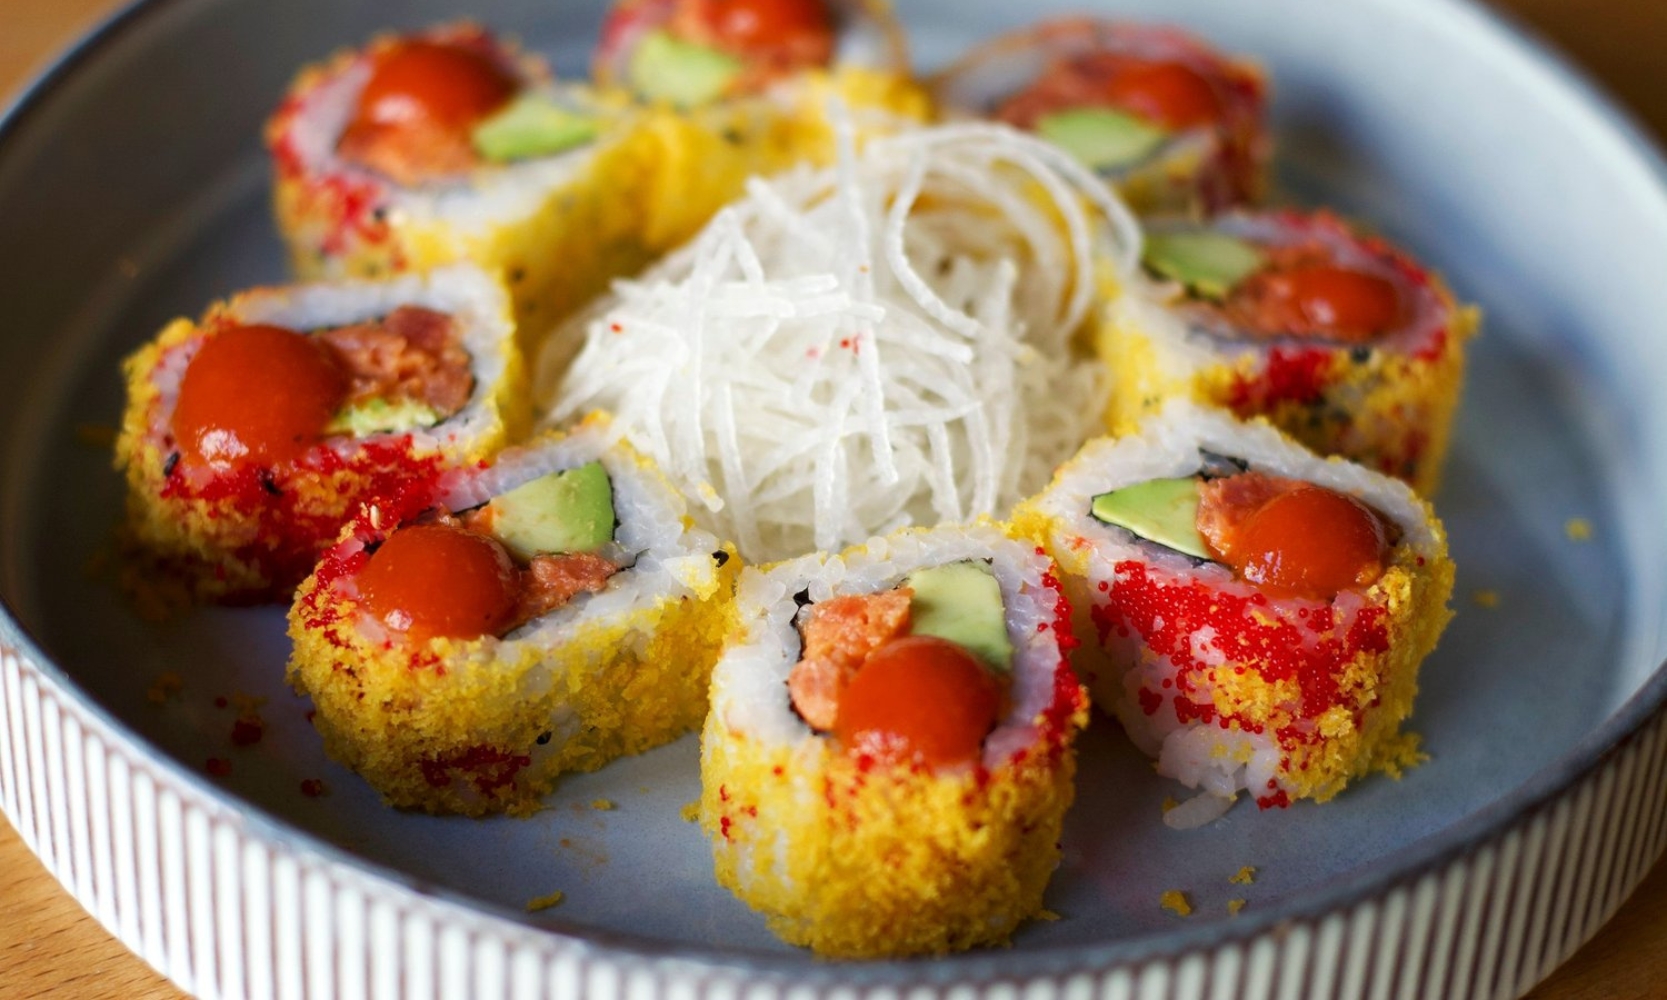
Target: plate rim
1413	862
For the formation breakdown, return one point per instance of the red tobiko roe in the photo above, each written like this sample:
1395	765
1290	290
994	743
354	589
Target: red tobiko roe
438	580
1311	542
919	699
435	83
257	393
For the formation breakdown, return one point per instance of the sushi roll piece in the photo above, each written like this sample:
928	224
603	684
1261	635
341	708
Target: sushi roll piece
738	88
251	436
1343	341
430	147
890	750
1253	614
1174	124
552	611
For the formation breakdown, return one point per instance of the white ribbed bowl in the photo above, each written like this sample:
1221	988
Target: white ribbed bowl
132	189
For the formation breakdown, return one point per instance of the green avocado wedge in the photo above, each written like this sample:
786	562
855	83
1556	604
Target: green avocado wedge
1101	138
561	512
1208	263
664	68
961	602
1159	510
379	416
531	126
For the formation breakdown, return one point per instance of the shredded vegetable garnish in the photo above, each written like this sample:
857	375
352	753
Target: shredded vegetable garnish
884	342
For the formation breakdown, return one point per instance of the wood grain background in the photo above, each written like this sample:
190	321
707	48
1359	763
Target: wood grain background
50	947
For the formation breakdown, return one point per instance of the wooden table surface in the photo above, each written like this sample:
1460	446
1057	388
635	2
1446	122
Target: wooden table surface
50	947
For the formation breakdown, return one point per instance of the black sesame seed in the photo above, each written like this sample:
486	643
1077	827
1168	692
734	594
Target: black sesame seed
269	484
802	598
544	738
720	557
170	464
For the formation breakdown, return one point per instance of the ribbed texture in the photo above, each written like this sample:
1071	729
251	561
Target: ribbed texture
224	913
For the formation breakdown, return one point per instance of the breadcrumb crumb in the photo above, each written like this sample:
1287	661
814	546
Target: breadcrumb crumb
1169	803
1234	906
690	811
1486	598
1578	529
1175	901
1244	876
603	805
1047	916
545	902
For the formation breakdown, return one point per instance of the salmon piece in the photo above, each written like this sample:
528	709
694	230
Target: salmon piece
409	153
838	635
553	580
412	353
1224	505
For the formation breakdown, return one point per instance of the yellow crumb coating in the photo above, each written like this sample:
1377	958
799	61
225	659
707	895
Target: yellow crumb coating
882	862
1391	411
247	536
705	155
487	725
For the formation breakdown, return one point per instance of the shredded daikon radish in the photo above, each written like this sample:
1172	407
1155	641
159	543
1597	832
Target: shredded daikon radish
889	341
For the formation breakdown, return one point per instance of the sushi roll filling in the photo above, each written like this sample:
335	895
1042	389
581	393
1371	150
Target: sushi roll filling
492	569
1113	110
690	52
406	370
917	675
433	109
1301	290
1289	537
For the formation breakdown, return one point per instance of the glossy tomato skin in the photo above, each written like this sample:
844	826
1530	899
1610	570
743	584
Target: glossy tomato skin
256	393
437	83
919	700
440	580
1324	300
1171	94
1311	542
757	26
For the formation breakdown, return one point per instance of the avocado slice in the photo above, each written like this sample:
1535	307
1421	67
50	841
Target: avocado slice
664	68
567	511
1208	263
1159	510
961	602
1100	137
529	126
380	416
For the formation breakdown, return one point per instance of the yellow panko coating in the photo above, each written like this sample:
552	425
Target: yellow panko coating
869	863
487	725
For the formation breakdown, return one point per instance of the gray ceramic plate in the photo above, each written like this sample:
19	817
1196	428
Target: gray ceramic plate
133	189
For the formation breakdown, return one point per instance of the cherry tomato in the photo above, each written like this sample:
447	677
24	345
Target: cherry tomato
432	83
440	580
751	26
1168	93
1311	542
919	698
256	393
1333	301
